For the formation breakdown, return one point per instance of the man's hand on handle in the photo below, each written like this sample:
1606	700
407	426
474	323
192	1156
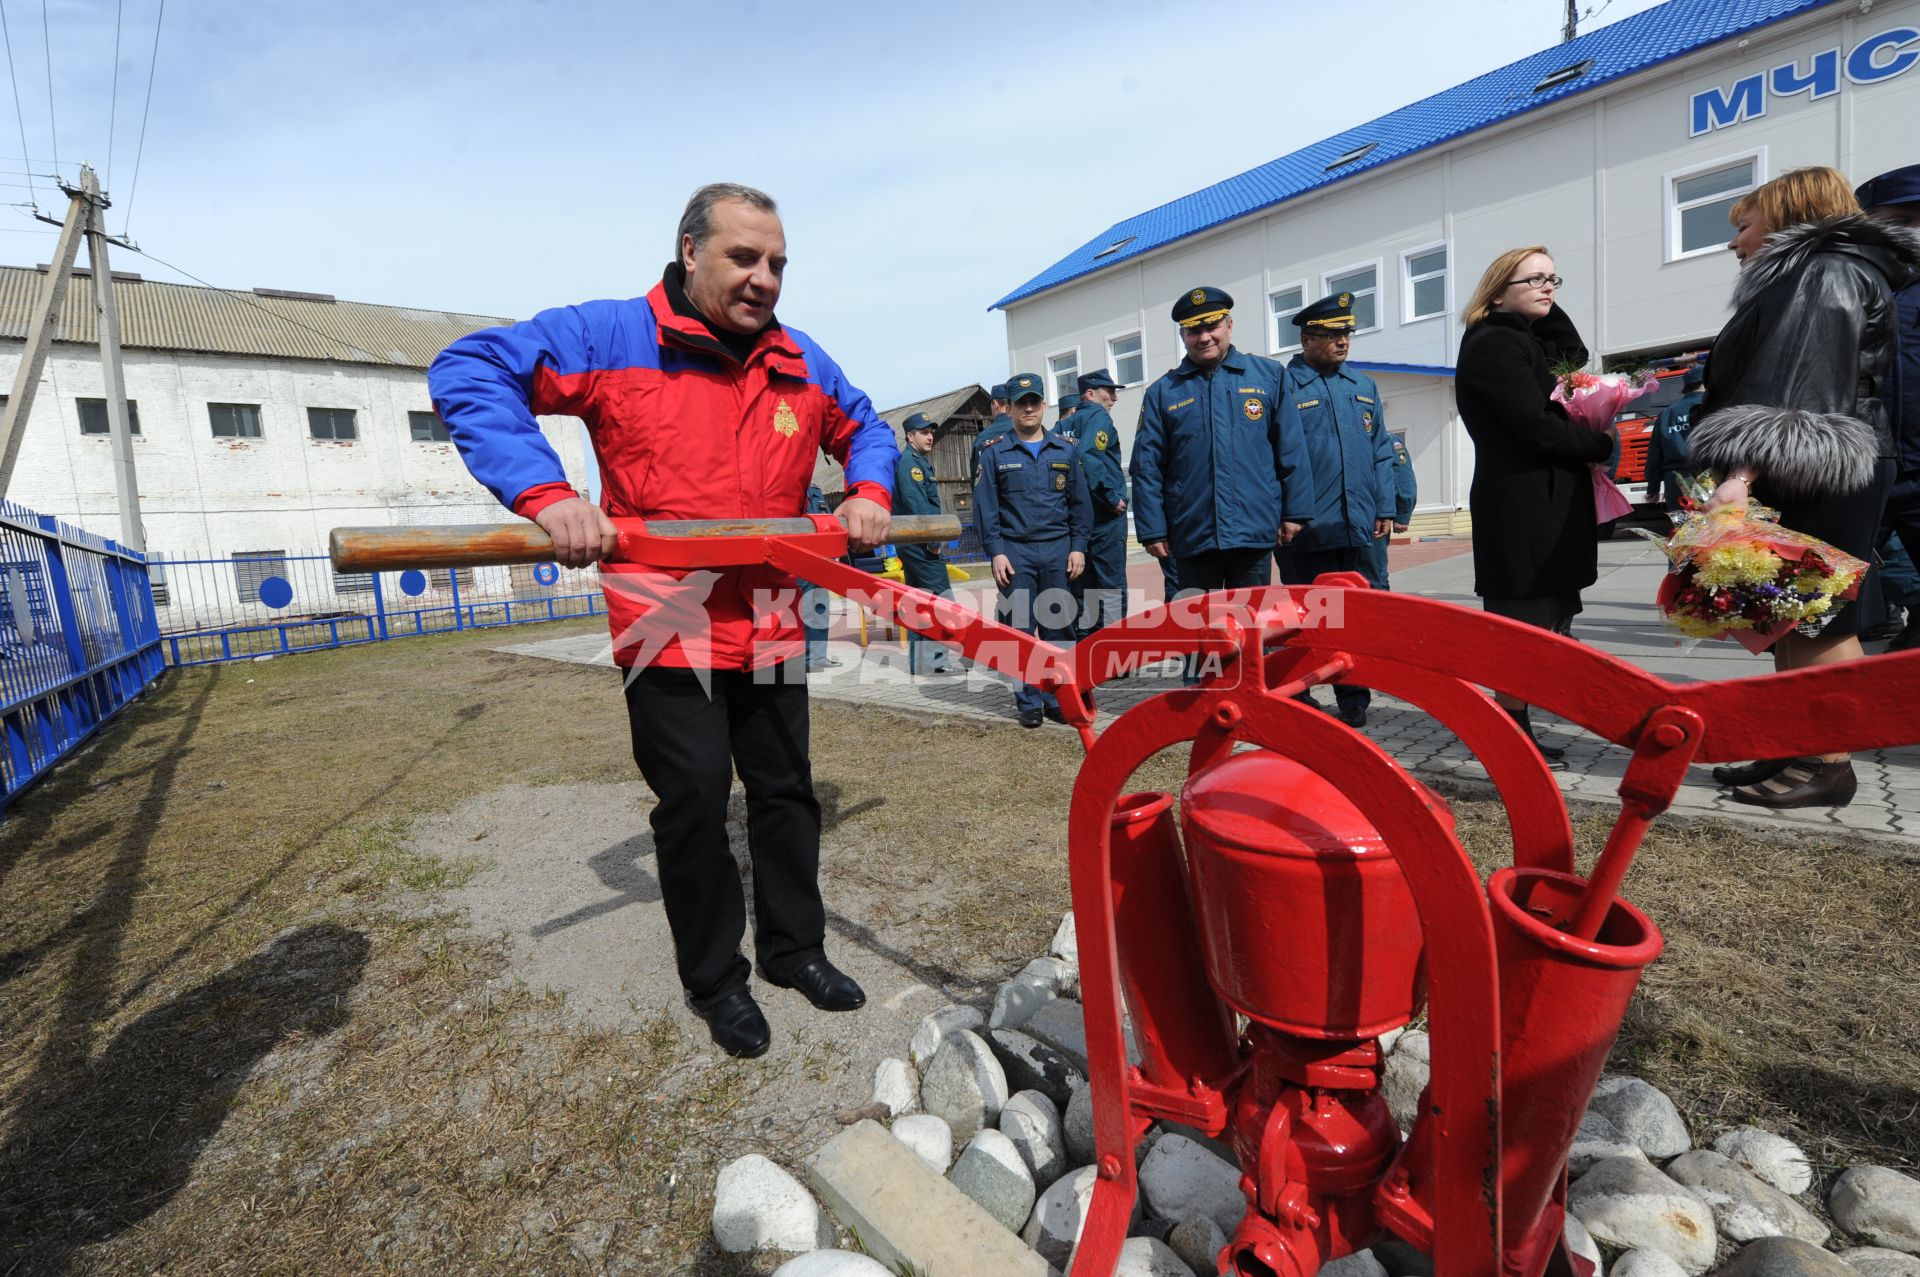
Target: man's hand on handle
581	531
867	522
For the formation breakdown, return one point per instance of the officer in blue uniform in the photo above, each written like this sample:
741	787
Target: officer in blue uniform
1001	424
1065	424
1667	441
1105	592
1034	516
1339	411
1220	475
1406	494
915	491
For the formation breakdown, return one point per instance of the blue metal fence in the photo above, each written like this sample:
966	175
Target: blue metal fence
78	640
258	603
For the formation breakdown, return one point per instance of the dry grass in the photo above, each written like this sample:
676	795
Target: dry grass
235	1041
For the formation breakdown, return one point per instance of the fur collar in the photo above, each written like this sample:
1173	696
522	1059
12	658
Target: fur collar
1894	249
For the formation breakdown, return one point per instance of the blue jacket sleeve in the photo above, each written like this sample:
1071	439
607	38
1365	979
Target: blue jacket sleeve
1385	487
986	508
1290	461
855	435
488	385
1406	490
1079	510
1149	444
1106	483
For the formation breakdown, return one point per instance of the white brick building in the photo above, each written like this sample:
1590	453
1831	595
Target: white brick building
266	419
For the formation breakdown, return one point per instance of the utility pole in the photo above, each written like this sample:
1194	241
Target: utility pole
1572	28
125	482
40	326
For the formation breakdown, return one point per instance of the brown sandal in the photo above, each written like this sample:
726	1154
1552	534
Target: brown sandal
1804	782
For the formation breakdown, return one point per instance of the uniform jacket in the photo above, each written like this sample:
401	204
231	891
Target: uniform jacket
1213	467
1099	446
1406	487
1905	405
1799	379
915	491
1667	445
1532	496
1342	420
682	431
1026	497
1000	425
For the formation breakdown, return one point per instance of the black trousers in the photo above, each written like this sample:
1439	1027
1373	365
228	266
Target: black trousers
1221	570
688	743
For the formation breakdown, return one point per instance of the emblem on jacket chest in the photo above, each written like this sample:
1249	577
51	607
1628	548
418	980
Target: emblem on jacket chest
785	421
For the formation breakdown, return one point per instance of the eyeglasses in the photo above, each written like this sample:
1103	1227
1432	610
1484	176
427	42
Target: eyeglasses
1538	281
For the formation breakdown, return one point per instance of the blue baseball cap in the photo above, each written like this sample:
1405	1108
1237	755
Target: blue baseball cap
1900	186
918	421
1024	385
1098	379
1068	403
999	390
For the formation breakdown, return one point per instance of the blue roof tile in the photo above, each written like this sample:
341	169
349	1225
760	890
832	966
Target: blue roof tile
1624	48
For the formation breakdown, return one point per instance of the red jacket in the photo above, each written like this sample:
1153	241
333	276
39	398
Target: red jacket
681	431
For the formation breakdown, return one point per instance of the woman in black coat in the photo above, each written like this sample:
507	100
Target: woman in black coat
1535	542
1796	412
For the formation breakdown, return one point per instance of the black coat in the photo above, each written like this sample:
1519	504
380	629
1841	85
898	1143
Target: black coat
1799	380
1532	497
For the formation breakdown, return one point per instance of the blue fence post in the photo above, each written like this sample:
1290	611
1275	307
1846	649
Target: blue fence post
453	576
379	606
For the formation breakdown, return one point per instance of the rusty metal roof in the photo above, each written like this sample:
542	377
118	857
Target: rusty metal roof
157	316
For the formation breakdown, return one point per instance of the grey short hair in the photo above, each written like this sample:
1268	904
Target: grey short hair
697	221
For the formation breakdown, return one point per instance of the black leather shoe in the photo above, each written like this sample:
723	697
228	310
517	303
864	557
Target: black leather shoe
1355	718
1737	774
737	1026
1803	782
1053	715
825	985
1031	718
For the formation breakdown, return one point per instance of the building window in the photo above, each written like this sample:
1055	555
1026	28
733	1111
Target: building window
331	423
1426	270
1698	201
1360	152
252	567
1364	283
1127	358
1282	305
234	420
93	417
352	583
1063	371
426	427
1115	247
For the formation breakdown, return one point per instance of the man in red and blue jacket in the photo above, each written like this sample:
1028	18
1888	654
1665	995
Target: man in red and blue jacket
701	405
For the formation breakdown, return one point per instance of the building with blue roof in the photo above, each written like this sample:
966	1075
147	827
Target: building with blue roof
1621	150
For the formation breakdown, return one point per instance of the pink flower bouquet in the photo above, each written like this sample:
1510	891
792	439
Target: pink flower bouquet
1593	400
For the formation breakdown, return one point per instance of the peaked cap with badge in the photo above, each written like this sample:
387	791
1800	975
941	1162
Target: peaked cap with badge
1328	315
1198	307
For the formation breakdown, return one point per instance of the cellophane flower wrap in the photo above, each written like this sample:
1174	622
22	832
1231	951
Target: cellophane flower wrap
1593	399
1736	573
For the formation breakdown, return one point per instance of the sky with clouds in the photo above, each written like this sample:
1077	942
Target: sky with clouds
500	156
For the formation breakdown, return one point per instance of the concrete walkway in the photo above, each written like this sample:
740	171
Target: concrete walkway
1619	618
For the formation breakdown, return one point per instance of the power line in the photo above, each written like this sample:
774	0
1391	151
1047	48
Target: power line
18	115
46	42
126	224
285	319
113	108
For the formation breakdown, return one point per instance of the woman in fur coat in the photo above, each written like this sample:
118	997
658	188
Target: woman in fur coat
1796	411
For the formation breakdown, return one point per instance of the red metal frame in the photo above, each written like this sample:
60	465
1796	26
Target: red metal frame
1446	1191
